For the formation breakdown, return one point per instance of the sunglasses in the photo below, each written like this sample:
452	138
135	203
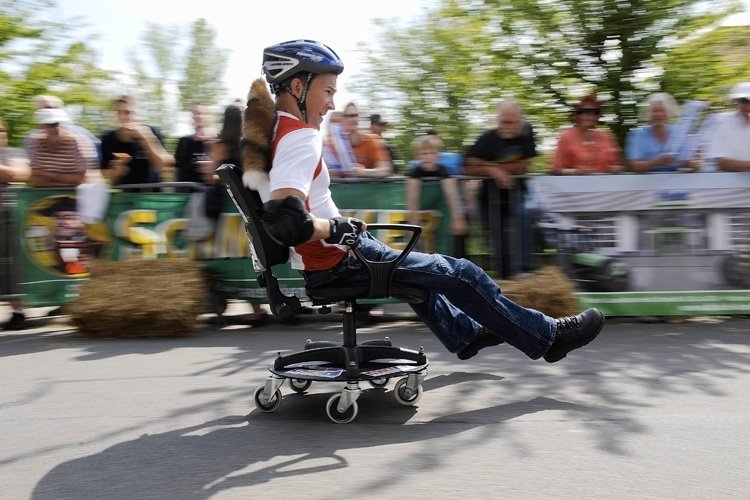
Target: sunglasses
351	115
587	111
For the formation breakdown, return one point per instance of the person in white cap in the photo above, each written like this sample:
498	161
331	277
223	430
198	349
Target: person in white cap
55	155
729	146
90	145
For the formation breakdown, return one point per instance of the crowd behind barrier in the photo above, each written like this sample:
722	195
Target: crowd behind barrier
480	204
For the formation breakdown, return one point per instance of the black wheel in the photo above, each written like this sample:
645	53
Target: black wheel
405	397
338	417
378	382
271	404
298	385
612	275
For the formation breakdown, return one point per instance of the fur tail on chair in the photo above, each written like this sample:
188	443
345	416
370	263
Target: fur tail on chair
260	116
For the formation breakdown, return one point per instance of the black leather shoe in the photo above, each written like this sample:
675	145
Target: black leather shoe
484	339
574	332
16	322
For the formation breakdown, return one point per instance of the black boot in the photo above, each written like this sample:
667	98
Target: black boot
574	332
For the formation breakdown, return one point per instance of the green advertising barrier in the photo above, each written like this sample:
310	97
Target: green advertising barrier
382	201
681	238
55	250
58	249
702	269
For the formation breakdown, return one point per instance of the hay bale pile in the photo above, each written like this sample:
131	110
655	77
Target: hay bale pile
154	298
547	290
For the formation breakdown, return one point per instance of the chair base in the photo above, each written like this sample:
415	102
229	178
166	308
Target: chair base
343	364
374	361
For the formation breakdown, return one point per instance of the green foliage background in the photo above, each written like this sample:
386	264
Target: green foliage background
446	69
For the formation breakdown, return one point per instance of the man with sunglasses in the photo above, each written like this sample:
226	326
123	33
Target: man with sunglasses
729	146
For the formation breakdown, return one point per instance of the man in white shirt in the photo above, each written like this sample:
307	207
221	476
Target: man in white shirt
730	141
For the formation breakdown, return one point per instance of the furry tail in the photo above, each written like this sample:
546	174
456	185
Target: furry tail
260	116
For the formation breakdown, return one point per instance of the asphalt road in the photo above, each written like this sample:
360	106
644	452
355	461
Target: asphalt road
648	411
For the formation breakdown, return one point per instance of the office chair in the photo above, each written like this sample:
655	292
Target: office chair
374	361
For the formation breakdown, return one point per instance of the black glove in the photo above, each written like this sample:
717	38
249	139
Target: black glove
345	231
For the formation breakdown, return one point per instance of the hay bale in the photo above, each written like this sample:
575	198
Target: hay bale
138	298
547	290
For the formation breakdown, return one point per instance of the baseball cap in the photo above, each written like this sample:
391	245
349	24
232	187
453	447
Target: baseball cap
740	91
50	116
376	119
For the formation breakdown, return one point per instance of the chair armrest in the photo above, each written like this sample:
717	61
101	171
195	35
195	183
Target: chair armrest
381	273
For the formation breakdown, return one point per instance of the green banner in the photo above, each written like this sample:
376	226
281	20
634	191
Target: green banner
58	248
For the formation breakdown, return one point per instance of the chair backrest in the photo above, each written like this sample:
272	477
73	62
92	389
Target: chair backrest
250	206
267	251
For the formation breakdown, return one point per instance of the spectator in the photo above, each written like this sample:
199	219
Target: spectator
378	127
133	153
464	308
428	149
369	149
337	151
10	171
582	149
647	146
90	145
729	145
194	148
453	162
501	153
55	154
226	149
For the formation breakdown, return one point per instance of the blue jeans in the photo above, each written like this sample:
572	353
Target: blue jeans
461	298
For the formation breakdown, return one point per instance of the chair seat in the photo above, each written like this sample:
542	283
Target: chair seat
356	290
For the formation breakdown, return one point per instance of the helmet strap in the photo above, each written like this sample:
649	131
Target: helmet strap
303	97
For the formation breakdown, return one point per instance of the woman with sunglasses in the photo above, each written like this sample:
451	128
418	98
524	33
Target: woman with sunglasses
582	149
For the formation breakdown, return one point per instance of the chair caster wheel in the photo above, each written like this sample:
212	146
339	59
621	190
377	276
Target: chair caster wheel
337	417
378	382
405	396
269	405
298	385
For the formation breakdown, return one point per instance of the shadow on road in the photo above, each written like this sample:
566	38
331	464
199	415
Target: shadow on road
201	461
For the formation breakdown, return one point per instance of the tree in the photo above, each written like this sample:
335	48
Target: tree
431	75
154	77
38	56
568	47
464	56
707	66
204	68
